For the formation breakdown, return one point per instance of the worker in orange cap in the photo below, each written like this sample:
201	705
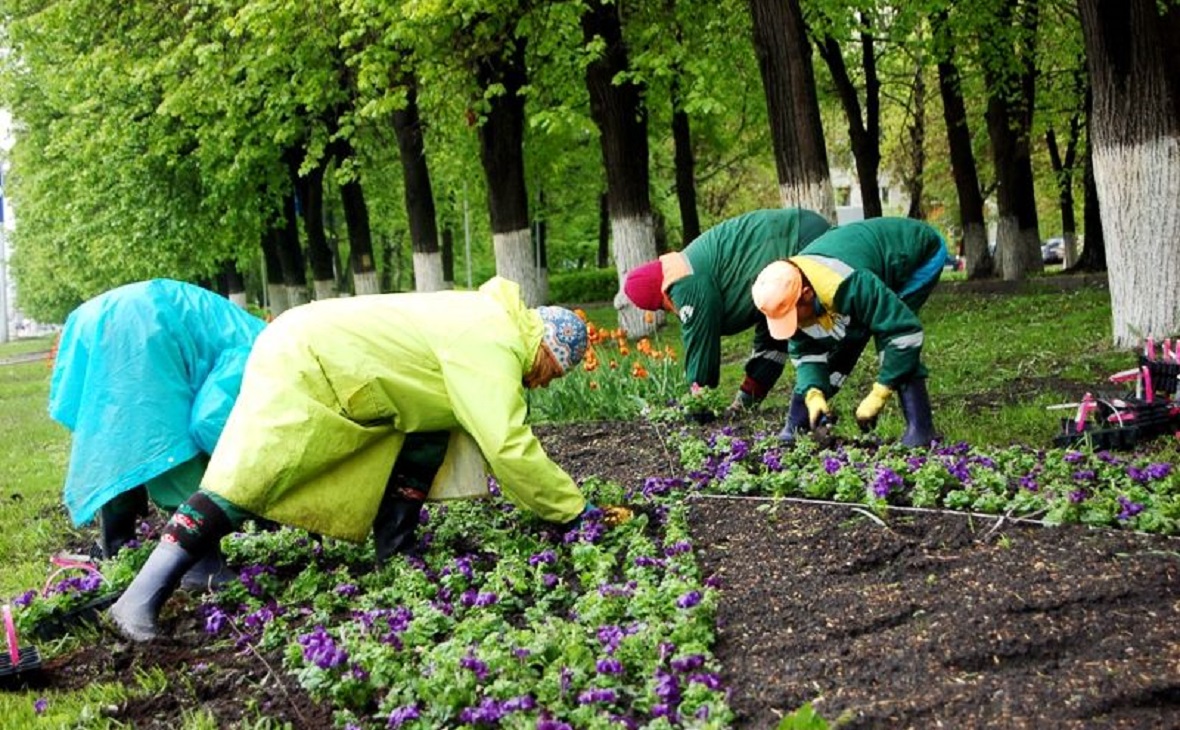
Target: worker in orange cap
861	280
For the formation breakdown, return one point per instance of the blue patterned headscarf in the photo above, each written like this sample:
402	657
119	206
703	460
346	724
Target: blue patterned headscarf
565	336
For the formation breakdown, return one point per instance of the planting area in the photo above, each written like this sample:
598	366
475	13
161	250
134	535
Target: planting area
878	617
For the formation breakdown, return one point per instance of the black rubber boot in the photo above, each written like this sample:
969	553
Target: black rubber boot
209	574
136	611
915	407
117	519
798	420
396	528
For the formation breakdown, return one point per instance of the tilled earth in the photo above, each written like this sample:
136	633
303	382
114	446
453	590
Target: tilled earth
917	620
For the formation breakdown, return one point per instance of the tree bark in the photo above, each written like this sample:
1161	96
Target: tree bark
784	60
916	176
309	191
1009	125
448	257
686	186
419	195
1131	50
290	254
501	149
603	232
360	235
864	128
1063	168
621	117
954	111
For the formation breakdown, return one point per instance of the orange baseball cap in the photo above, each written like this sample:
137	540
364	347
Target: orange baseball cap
776	292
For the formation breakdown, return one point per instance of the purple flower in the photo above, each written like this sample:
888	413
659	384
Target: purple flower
249	575
215	621
688	663
463	565
886	481
549	580
610	665
547	723
487	712
472	662
348	590
709	679
688	600
1073	457
832	464
547	557
592	696
610	637
320	649
772	461
678	548
40	705
25	598
1077	496
644	561
1084	475
1029	482
401	715
1129	508
667	687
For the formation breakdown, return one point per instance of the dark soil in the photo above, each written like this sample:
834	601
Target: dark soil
915	621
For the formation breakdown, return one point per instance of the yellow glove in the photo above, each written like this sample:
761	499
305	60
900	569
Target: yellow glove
817	405
614	515
870	407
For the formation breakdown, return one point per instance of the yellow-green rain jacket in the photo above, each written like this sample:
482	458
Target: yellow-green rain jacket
332	388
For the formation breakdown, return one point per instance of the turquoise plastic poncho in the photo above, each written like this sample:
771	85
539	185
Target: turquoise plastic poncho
145	377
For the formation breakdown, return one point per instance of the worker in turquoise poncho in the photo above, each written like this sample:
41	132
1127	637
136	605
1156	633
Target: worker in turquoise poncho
861	280
144	378
707	285
330	393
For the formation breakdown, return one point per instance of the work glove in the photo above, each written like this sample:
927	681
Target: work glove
614	515
817	406
870	407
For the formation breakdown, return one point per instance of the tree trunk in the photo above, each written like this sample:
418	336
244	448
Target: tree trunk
864	129
954	110
1093	254
1131	50
231	283
360	239
621	117
501	148
407	125
603	232
1009	125
309	192
686	186
448	257
916	176
1063	168
276	290
290	254
784	60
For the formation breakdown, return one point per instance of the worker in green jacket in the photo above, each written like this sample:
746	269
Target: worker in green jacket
862	280
332	390
707	285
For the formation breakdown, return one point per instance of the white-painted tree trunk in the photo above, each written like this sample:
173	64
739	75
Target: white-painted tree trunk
296	295
428	272
325	289
514	261
366	283
974	246
276	297
1139	189
634	243
238	298
1018	251
817	196
1069	250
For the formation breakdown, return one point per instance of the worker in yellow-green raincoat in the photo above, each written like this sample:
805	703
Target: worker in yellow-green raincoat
330	393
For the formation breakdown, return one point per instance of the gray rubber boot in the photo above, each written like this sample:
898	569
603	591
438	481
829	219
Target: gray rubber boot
798	420
919	420
209	574
136	611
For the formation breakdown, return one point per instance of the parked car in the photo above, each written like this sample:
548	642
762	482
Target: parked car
1053	251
